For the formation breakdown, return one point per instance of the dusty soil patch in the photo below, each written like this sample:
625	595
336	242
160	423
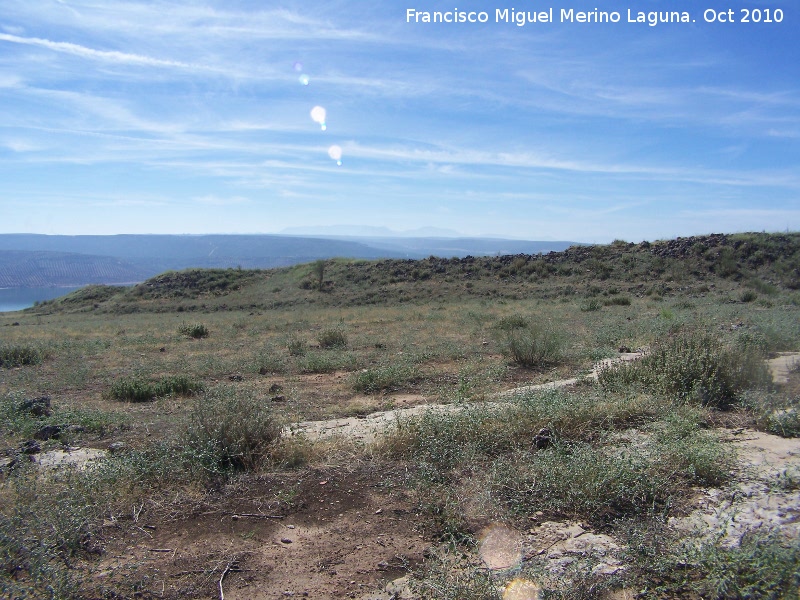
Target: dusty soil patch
783	365
317	534
766	494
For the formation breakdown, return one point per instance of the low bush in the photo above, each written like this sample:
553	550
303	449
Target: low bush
296	346
774	413
748	296
230	431
332	338
20	355
765	564
591	306
511	322
694	368
384	378
194	330
618	301
533	346
134	389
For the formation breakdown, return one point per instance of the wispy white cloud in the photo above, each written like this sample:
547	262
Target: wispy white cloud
212	200
112	56
21	146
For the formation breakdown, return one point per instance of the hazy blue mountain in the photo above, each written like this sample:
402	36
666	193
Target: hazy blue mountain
33	260
359	231
29	269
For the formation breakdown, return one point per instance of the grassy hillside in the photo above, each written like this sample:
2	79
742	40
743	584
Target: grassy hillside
754	266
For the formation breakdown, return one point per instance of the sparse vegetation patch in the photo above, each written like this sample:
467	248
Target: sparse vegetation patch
535	345
228	430
135	389
20	355
194	330
693	368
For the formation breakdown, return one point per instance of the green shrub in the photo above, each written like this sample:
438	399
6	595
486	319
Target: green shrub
748	296
229	431
618	301
332	338
694	368
296	346
194	330
134	389
385	378
20	355
511	322
591	306
765	565
321	361
774	412
533	346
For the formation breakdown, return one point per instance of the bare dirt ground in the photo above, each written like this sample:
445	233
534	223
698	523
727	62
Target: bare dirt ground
322	534
334	532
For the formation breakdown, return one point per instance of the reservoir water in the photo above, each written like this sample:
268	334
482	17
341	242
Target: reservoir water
18	298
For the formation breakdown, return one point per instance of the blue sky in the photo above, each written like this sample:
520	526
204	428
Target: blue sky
195	117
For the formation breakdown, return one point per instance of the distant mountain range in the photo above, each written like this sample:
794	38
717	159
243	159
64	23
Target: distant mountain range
33	260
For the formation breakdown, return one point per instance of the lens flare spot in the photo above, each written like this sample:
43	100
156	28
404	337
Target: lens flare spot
500	547
298	66
335	152
522	589
318	115
304	79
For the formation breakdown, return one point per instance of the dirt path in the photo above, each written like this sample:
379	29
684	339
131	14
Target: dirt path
782	365
366	429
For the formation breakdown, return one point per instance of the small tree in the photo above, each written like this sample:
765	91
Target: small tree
318	269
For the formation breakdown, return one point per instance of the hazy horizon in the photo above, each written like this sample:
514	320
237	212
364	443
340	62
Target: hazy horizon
207	118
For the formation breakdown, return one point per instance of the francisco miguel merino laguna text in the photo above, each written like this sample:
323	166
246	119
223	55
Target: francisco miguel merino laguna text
566	15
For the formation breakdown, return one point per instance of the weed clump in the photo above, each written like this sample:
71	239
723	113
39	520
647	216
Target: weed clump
385	378
695	369
332	338
296	346
748	296
534	345
194	330
133	389
229	431
20	355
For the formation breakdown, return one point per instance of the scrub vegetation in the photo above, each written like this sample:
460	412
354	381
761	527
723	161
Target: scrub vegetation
188	388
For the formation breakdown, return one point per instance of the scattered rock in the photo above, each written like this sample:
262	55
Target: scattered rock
543	439
236	377
30	447
116	447
275	388
278	399
38	407
286	541
399	588
162	349
49	432
78	457
558	545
